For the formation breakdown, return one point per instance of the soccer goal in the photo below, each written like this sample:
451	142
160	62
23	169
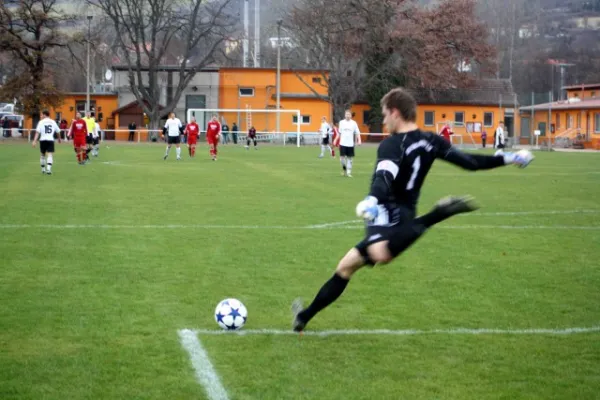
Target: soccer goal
263	120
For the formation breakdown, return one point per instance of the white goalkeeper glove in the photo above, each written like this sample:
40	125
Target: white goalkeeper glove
367	209
522	158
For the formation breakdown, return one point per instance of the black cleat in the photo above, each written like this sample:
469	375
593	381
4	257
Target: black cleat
297	324
456	205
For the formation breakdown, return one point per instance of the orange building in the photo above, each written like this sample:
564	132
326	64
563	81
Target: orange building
470	111
255	89
571	122
102	104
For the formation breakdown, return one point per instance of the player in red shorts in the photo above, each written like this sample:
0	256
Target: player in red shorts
213	130
335	140
446	132
192	131
79	133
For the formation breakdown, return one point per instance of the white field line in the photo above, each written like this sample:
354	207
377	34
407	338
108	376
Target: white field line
291	228
404	332
205	372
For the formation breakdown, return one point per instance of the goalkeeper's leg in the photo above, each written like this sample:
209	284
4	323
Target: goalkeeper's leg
381	245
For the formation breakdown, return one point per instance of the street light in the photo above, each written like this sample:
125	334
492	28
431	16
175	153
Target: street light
87	90
278	91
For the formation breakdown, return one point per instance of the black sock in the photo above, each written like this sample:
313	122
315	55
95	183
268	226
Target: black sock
330	291
433	217
405	236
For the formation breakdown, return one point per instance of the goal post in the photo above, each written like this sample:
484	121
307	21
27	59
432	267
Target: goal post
263	120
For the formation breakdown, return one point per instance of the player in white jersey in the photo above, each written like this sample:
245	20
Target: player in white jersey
325	132
96	140
173	129
45	132
349	136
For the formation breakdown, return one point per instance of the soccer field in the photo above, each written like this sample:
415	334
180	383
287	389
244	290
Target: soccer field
111	273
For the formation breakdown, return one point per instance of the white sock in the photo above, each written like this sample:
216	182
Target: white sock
43	163
343	161
178	151
49	163
96	148
349	165
167	152
322	150
329	149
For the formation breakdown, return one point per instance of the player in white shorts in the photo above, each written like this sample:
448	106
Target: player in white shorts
46	131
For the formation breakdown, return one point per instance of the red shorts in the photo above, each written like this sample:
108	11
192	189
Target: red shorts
212	140
192	139
79	141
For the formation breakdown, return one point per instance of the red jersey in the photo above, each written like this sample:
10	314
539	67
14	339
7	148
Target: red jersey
336	136
213	128
78	128
192	130
252	132
446	132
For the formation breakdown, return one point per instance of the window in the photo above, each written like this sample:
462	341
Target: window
597	123
593	94
366	117
305	119
569	121
557	121
459	118
246	92
578	120
488	119
429	118
316	80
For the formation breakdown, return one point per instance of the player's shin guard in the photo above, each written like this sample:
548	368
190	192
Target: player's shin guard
178	152
43	163
343	162
330	291
349	165
49	163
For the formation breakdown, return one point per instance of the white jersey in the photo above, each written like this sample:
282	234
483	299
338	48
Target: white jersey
173	126
499	135
347	131
96	131
325	130
47	128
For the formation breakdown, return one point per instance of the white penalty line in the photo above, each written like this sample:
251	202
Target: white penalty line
401	332
204	370
346	225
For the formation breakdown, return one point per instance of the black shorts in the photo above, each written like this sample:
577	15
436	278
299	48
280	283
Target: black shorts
325	141
347	151
46	146
391	218
173	139
89	139
96	140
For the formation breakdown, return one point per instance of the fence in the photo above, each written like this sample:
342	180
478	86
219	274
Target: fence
284	138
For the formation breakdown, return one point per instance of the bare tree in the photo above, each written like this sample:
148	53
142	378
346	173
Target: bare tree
30	31
146	31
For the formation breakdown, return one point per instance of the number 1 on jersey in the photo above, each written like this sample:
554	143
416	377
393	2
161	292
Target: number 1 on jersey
416	165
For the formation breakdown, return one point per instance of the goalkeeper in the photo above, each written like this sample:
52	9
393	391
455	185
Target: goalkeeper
403	162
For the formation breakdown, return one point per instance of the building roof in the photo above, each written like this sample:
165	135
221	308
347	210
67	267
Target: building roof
134	104
164	68
582	86
565	105
484	92
92	94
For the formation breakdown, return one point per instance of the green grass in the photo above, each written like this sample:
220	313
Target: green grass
93	313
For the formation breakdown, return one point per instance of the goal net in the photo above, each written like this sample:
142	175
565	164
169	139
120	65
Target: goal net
263	120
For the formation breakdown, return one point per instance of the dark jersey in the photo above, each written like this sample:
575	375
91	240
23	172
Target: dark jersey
404	160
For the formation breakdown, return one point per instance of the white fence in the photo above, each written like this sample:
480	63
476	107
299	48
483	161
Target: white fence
283	138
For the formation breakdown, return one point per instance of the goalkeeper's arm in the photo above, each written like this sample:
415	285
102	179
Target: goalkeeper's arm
473	162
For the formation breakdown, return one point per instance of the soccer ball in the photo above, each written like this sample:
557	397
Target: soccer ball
231	314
